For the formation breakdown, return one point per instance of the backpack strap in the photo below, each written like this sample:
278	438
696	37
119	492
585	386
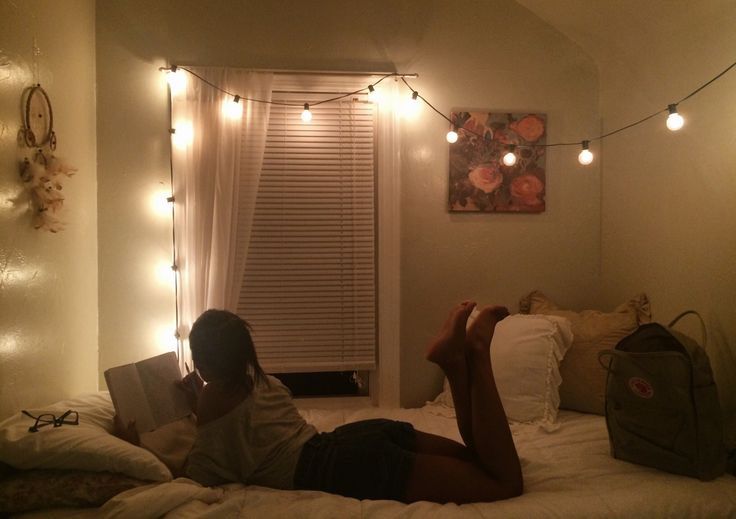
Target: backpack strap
731	462
605	359
702	324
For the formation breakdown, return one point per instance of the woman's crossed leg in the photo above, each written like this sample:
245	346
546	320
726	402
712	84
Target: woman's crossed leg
487	468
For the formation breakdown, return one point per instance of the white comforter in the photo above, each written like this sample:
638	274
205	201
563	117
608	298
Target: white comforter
568	472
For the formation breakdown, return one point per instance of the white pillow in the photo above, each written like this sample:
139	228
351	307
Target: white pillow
526	351
87	446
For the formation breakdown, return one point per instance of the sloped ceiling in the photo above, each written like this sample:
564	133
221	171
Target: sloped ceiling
635	31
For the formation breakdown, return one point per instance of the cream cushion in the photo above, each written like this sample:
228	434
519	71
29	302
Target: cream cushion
525	354
583	386
526	351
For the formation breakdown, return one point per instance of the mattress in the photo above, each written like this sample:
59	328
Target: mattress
568	472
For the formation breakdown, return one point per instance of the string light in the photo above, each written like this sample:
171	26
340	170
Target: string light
410	107
165	273
233	109
161	203
306	114
183	135
586	156
373	95
176	79
674	120
452	135
509	158
167	336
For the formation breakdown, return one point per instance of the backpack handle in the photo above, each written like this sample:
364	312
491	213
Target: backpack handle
700	318
608	355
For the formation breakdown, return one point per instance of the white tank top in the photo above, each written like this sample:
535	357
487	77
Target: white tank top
257	443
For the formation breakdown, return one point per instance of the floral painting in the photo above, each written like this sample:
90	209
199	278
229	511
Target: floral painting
479	179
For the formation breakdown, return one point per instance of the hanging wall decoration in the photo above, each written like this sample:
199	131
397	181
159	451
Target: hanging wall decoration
497	163
41	171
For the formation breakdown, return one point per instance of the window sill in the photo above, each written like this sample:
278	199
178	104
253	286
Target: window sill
332	403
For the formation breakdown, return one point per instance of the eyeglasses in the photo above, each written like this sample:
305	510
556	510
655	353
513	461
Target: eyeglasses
42	420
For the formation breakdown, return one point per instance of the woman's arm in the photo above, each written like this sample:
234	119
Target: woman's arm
192	385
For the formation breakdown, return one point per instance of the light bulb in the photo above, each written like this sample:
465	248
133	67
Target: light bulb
585	157
452	136
232	108
166	337
674	120
183	134
166	273
161	203
306	114
509	158
373	95
410	107
176	79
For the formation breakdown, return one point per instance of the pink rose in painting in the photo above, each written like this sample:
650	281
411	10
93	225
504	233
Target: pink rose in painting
530	127
526	189
486	177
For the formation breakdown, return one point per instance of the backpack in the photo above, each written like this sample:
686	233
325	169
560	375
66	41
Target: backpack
662	406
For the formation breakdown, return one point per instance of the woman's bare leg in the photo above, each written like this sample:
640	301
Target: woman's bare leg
442	473
496	452
448	351
428	443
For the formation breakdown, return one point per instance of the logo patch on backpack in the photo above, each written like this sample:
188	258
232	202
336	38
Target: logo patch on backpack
641	388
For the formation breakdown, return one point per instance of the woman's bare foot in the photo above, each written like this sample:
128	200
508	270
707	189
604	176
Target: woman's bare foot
448	347
480	331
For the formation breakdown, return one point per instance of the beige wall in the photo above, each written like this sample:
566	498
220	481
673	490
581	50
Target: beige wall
468	54
668	212
48	282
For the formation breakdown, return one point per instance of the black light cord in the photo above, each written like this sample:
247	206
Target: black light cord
280	103
578	143
416	95
174	265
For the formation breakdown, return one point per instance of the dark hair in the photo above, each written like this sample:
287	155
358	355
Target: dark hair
222	345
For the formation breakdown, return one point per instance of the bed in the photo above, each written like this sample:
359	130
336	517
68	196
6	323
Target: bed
555	418
568	472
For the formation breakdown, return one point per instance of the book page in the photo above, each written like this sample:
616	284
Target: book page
128	397
160	377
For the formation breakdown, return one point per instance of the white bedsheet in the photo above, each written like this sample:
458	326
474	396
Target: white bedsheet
568	472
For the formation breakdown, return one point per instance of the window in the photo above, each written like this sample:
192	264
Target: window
310	283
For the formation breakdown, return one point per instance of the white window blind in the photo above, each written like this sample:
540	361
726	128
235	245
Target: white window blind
309	288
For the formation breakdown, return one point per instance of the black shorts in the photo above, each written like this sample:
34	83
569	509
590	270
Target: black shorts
370	459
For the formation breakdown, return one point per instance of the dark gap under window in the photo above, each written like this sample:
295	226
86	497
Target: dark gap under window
323	384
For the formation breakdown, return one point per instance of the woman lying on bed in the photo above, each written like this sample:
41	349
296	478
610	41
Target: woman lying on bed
249	430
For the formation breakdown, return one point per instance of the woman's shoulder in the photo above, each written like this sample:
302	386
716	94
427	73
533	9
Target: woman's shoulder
273	386
216	402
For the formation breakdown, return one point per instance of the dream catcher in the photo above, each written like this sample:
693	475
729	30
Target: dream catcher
41	171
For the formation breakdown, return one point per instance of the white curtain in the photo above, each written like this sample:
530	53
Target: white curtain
216	160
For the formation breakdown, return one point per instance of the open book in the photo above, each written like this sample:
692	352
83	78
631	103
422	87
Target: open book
148	392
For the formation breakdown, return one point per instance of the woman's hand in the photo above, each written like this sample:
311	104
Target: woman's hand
127	432
192	385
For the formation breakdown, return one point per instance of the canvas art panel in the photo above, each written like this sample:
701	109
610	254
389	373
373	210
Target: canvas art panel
480	181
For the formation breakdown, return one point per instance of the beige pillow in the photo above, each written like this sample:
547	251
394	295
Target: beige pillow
583	386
